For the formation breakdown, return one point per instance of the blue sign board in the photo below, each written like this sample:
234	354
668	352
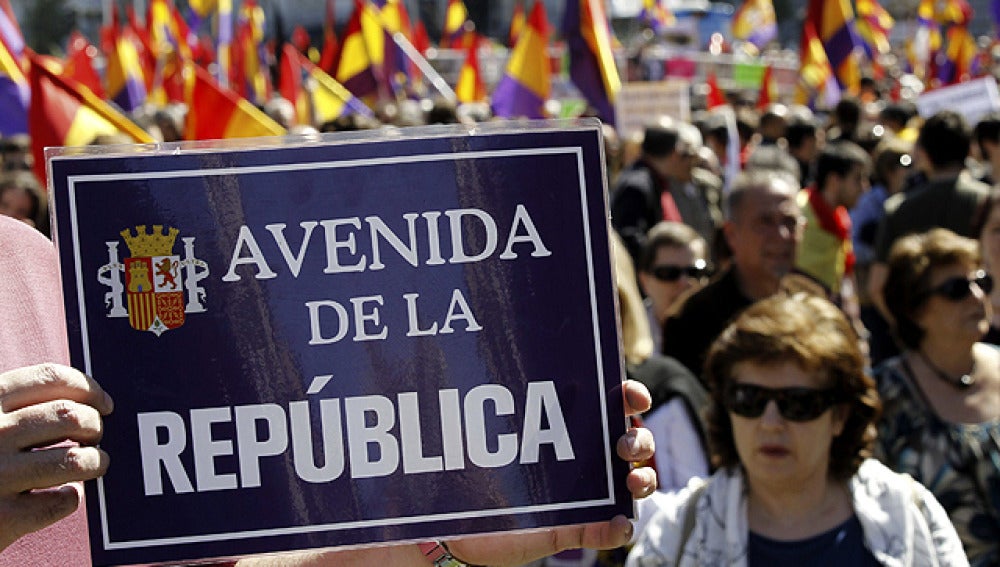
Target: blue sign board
344	341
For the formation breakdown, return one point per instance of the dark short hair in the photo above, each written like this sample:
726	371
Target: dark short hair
800	129
665	234
911	261
814	334
988	128
839	157
945	138
899	112
659	141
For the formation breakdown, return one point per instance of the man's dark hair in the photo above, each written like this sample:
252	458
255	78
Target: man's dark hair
988	128
660	141
847	114
945	138
839	157
898	112
799	130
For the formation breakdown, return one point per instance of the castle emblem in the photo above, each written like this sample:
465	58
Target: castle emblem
159	287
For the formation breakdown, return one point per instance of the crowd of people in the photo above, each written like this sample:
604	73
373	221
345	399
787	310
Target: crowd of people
852	286
811	332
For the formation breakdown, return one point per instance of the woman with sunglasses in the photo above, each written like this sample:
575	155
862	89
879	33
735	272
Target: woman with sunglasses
791	426
942	394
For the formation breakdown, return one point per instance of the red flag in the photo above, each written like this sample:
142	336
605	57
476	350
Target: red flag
63	114
767	93
300	39
715	95
80	64
217	112
330	45
421	41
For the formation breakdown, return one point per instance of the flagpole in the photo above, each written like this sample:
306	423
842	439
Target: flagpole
439	83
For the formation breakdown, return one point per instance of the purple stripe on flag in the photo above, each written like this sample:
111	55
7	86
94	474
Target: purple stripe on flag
362	84
586	75
840	45
225	26
13	101
511	99
763	35
132	95
10	35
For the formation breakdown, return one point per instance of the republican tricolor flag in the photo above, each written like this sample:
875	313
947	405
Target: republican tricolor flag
326	101
15	95
454	22
10	32
217	112
79	65
768	89
755	22
834	23
355	66
527	81
126	85
63	114
592	64
470	86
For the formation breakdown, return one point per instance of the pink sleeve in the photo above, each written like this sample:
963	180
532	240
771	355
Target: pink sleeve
33	330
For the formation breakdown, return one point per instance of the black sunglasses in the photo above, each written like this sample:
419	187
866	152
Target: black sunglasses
670	273
794	404
958	288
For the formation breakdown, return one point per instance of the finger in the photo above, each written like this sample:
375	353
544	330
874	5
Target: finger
600	535
513	549
637	398
26	513
50	467
636	445
23	387
641	482
48	423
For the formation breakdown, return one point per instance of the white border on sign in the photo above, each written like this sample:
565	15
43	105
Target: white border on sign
73	181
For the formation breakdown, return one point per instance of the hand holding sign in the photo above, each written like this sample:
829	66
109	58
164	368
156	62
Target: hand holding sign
39	406
519	548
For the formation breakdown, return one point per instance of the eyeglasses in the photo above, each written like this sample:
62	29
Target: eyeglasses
958	288
794	404
669	273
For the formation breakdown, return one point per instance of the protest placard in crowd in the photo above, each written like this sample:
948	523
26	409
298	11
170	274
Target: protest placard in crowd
344	341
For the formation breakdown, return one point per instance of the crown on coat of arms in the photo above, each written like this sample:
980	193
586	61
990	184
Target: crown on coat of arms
150	244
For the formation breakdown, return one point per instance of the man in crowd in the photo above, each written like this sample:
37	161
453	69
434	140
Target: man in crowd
841	178
763	230
662	185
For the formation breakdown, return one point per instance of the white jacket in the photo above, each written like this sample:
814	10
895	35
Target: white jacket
903	524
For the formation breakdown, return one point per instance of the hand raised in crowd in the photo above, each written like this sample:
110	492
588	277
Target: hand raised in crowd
516	548
41	406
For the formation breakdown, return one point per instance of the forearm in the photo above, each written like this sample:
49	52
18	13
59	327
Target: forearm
407	554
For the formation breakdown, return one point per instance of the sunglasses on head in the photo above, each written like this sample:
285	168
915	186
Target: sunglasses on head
670	273
794	404
960	287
